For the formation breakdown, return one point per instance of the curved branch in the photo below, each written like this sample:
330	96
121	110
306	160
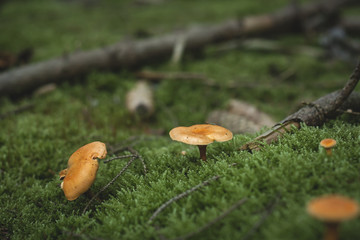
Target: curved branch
129	54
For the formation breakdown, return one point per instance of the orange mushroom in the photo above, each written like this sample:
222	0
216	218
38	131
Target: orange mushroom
328	144
82	168
332	210
201	135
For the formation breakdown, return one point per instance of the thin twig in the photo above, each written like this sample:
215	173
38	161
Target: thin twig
215	220
129	142
184	194
107	185
262	219
349	111
133	151
157	76
205	81
129	147
122	146
118	157
347	89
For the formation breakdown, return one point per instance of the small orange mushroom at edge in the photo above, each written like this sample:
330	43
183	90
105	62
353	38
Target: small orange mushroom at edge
332	210
82	168
201	135
328	144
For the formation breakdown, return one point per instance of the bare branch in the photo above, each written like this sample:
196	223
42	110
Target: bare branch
119	157
130	54
313	114
184	194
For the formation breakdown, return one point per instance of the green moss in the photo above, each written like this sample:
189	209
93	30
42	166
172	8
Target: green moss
36	144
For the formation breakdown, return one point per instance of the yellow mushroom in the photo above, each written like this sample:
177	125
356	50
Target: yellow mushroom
328	144
201	135
332	210
82	167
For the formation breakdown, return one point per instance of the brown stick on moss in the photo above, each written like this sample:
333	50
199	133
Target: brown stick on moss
129	54
313	114
184	194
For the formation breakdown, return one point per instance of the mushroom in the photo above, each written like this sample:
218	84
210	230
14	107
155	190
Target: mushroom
82	168
332	210
328	144
201	135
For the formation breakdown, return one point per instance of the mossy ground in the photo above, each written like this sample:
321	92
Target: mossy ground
36	144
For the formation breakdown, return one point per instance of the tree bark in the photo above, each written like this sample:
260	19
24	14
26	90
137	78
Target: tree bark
129	54
313	114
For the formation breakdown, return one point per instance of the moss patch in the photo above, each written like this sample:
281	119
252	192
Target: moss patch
35	144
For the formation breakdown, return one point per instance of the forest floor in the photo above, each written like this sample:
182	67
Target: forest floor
275	183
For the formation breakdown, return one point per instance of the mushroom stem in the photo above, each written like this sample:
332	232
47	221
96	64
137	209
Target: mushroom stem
328	151
202	149
331	232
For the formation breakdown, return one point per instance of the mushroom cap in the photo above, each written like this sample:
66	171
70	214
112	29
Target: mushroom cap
200	134
328	143
82	169
333	208
63	173
93	150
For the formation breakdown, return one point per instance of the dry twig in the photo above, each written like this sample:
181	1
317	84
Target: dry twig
130	54
133	151
184	194
313	114
107	185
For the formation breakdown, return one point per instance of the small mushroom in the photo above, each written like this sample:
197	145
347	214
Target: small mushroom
332	210
201	135
328	144
82	167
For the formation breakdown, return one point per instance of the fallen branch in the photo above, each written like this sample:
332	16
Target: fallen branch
184	194
207	81
266	45
131	54
313	114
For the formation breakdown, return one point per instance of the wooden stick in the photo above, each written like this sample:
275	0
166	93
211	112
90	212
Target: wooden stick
136	53
184	194
133	151
314	114
118	157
